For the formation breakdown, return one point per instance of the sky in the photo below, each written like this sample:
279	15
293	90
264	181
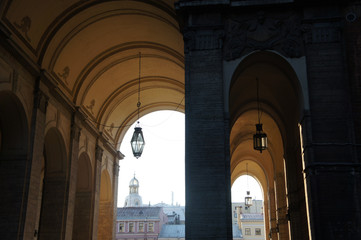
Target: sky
160	170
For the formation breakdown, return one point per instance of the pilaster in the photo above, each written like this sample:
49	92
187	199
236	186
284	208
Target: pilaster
96	191
72	175
35	164
115	194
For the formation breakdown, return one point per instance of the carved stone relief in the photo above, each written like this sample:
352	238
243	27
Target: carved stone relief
91	106
110	129
65	74
260	32
203	40
24	26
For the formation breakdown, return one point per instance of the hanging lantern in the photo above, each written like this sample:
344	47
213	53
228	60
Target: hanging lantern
248	200
259	139
137	141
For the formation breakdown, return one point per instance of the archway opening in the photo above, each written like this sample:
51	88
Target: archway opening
247	220
83	200
13	163
159	172
281	103
52	222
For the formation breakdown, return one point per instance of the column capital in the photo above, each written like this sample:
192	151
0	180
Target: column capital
98	153
40	100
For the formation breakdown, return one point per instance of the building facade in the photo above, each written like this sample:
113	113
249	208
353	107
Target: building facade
69	84
139	223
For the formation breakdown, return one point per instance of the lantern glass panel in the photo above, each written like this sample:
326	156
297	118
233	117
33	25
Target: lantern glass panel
137	142
248	201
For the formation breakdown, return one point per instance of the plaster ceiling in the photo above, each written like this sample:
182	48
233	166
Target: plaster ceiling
90	50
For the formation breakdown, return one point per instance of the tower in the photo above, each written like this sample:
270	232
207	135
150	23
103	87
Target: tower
133	199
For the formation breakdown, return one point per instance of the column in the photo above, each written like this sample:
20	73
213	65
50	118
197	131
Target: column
208	203
35	163
331	166
96	192
72	176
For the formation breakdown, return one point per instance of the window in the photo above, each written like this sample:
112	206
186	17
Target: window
257	231
247	231
141	227
235	214
121	227
131	227
150	227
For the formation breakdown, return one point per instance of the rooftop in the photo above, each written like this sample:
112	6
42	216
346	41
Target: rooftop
251	216
172	231
138	213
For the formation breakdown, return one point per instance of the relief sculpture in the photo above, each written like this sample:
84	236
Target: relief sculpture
263	33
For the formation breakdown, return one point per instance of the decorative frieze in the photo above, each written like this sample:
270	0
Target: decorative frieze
260	32
203	40
322	33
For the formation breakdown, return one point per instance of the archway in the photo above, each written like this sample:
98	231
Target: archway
105	219
52	215
83	200
13	163
281	103
248	219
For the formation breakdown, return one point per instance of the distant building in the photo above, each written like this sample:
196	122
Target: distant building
252	225
139	222
175	214
172	232
248	221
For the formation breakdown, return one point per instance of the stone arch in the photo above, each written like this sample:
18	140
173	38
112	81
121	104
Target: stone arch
282	106
14	135
105	219
83	199
52	221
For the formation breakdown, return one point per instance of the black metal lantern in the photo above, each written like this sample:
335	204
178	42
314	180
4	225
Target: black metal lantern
260	138
248	200
137	141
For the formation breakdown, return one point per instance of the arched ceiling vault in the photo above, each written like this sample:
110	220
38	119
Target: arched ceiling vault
281	104
90	50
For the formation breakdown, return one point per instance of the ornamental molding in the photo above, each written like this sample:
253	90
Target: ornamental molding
203	39
261	32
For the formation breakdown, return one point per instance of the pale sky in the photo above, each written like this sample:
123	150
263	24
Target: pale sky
160	169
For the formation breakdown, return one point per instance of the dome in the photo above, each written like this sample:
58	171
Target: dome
134	182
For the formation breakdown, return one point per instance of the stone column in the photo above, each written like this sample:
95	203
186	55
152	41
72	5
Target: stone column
273	215
282	221
115	194
96	192
331	166
72	176
297	212
35	163
207	163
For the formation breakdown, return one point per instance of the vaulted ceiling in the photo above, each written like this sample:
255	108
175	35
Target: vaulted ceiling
91	51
